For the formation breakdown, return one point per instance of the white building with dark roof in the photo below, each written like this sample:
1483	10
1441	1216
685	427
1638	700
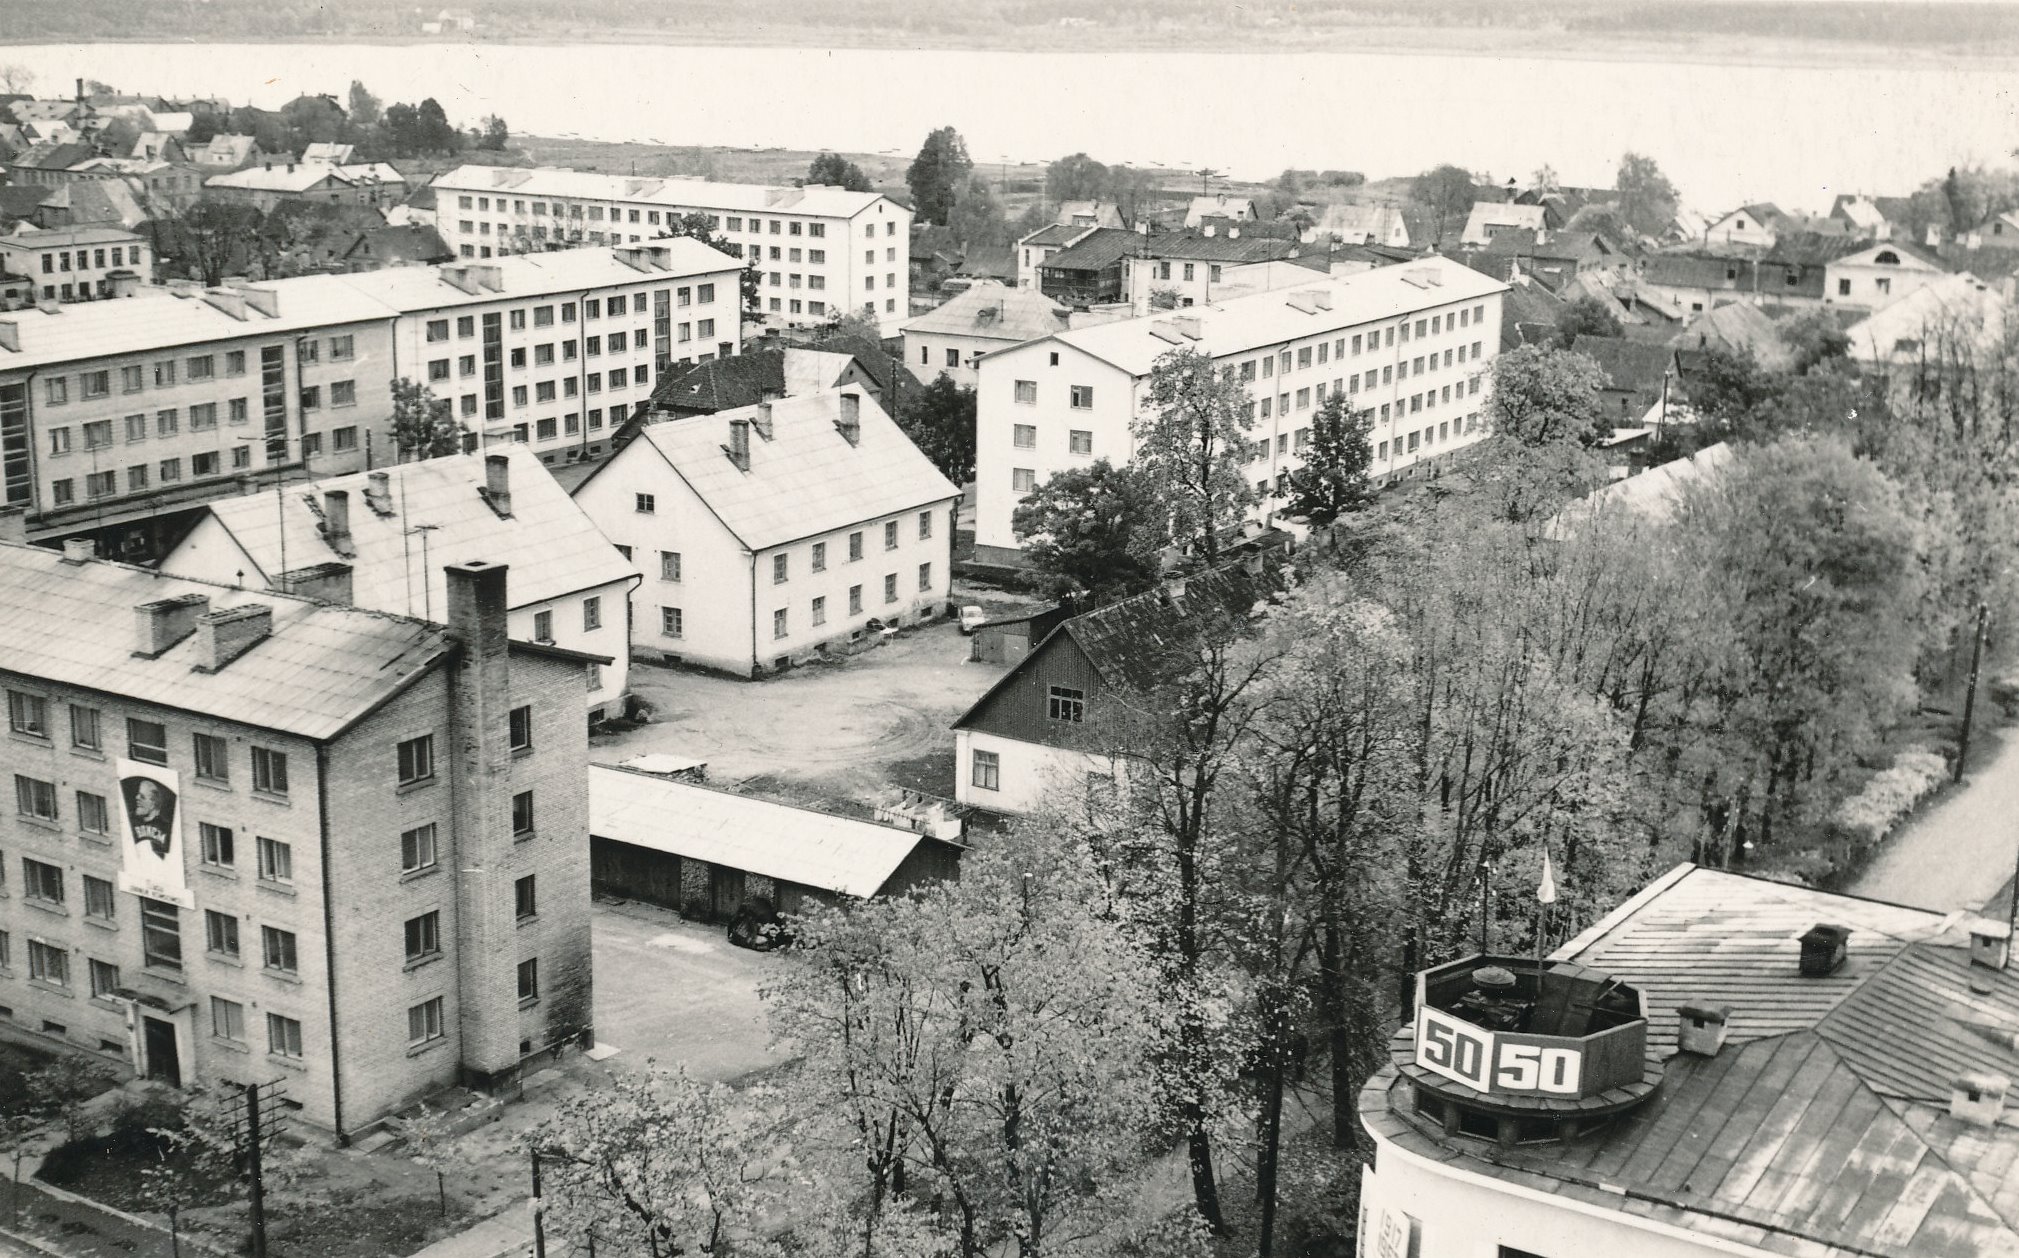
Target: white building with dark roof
777	532
379	540
821	251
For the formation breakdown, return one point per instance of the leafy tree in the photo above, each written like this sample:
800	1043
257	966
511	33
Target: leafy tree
1192	444
1647	200
313	120
67	1084
837	171
938	175
210	235
1542	396
424	426
1447	192
1816	338
977	217
855	324
1730	387
1076	177
1165	297
940	420
434	133
1589	315
1605	221
1333	480
1091	530
16	79
494	136
365	109
400	129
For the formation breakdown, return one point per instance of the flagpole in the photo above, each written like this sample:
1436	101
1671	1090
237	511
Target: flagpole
1545	895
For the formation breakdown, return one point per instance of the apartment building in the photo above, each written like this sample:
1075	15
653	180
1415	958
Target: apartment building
114	414
984	318
1412	344
75	263
259	836
820	251
775	533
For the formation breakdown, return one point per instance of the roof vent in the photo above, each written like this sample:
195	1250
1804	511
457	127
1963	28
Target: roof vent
1701	1028
760	419
79	550
498	484
1824	948
164	622
223	636
10	336
1990	943
1188	326
1978	1098
336	521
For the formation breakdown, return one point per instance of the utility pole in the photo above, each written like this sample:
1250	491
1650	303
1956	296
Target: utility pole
1205	174
1970	696
254	1168
539	1208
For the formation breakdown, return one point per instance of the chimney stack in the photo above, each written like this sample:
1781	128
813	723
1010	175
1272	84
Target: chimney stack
1978	1098
1702	1028
336	521
79	550
223	636
762	420
1824	948
738	448
850	423
1990	943
164	622
498	484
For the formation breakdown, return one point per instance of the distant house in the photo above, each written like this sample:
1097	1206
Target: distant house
229	152
1089	214
1737	328
379	540
1528	316
411	245
1879	274
328	154
450	22
50	164
1636	374
746	379
988	262
1861	216
775	533
264	187
1091	271
1196	268
988	316
1955	315
1239	209
155	146
1753	226
2000	231
89	202
1361	225
378	183
1489	219
1033	250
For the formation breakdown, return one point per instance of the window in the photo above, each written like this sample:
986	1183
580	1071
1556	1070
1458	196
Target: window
671	622
227	1019
425	1024
820	556
35	798
91	814
438	330
1024	436
136	428
213	757
520	727
28	714
986	773
1082	397
220	933
283	1036
417	759
277	949
41	882
592	613
924	577
855	600
543	626
522	813
424	936
524	903
104	978
276	861
58	391
820	610
780	566
779	623
146	740
645	504
100	900
160	935
84	731
98	434
854	546
890	534
418	848
269	771
1023	480
1080	441
48	963
890	587
343	393
216	842
529	980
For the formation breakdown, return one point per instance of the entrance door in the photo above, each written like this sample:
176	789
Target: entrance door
725	891
162	1062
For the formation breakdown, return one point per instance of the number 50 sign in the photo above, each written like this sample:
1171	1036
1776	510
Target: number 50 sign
1494	1063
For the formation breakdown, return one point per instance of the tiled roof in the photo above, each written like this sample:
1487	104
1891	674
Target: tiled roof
1696	270
552	547
55	155
807	478
724	384
1100	249
818	199
329	154
84	201
1626	364
993	311
321	668
1739	327
813	849
1812	248
1137	642
231	149
1527	304
993	261
408	244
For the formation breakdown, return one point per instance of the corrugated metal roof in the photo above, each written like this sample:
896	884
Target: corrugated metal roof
813	849
807	478
820	200
320	669
551	545
995	311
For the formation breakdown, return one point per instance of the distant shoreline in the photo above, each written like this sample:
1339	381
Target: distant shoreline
1393	41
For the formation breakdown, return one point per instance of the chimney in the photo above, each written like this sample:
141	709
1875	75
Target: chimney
498	484
78	550
1322	298
164	622
378	493
325	582
738	448
1702	1028
336	521
264	300
223	636
228	302
1824	948
1978	1098
850	423
762	420
1990	943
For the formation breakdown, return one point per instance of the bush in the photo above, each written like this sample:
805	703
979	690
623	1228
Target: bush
1870	815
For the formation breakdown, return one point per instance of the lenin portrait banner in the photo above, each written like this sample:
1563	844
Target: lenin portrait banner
150	832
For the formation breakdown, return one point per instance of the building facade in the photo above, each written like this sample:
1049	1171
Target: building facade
371	888
76	263
821	252
984	318
1412	344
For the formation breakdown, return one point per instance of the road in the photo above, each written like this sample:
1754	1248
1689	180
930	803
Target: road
1960	852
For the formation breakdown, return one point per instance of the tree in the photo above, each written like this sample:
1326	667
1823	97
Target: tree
938	175
213	234
1076	177
1091	530
1192	445
1730	388
1542	396
1589	315
429	1135
977	217
1165	297
837	171
433	134
1647	200
16	79
1816	338
495	134
940	419
1333	480
1447	192
365	109
401	130
424	426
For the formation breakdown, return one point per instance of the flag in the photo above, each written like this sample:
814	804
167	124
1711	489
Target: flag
1546	893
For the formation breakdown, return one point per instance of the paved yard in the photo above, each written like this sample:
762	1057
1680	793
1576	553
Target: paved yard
679	992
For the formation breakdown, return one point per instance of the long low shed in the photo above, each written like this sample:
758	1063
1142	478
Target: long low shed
703	851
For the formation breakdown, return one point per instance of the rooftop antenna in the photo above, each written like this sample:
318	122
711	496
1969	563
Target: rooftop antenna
280	519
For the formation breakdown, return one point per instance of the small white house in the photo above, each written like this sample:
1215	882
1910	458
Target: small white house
984	318
775	533
1880	275
381	539
1754	226
1495	218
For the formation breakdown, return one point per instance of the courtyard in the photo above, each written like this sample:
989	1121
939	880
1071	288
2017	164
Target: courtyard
680	993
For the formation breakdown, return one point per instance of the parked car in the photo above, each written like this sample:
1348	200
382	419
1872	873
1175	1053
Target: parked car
758	926
972	618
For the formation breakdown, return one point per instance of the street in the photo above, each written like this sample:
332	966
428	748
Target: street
1960	852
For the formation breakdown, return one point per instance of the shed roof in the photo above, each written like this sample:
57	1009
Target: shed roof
695	822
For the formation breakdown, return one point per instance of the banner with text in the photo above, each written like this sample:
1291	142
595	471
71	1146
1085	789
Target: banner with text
150	813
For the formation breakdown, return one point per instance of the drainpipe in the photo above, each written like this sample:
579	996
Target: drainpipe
329	945
753	613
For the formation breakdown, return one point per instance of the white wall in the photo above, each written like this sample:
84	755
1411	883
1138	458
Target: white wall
802	585
925	355
607	639
997	455
1031	775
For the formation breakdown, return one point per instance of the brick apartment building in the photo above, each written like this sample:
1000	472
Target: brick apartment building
261	836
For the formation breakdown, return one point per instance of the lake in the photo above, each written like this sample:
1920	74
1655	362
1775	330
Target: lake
1726	133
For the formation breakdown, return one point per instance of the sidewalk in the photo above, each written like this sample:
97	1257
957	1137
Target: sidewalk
1960	852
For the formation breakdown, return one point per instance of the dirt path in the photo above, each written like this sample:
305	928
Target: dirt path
1960	852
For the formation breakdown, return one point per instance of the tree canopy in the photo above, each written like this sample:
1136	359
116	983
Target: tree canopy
1647	200
1333	480
1542	396
1447	192
938	175
1192	444
1091	530
837	171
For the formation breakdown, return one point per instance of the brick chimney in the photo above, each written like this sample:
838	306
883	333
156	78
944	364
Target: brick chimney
850	423
336	521
498	484
222	636
761	420
1978	1098
738	448
164	622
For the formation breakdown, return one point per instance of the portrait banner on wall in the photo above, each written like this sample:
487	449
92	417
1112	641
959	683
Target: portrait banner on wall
150	814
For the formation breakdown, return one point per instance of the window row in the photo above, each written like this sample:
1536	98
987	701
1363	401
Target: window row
147	741
90	259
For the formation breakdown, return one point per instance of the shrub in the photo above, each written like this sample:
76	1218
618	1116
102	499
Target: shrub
1871	814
